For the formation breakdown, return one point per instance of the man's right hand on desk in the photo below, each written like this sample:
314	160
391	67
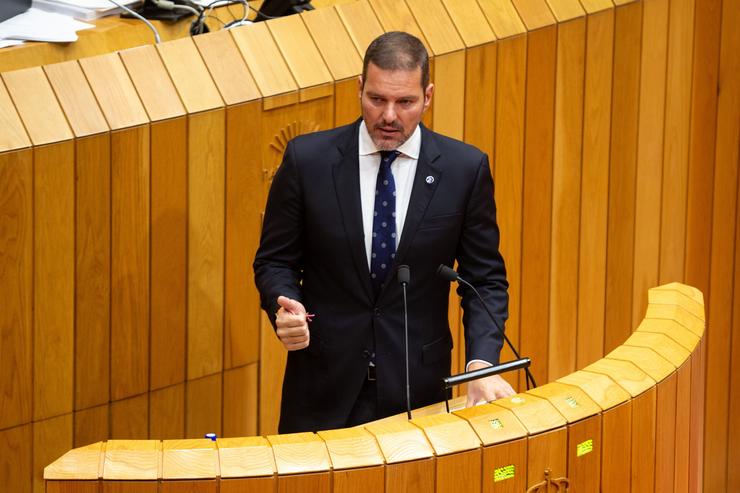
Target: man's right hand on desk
291	324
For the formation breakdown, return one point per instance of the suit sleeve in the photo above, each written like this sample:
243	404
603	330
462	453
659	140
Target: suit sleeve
278	262
481	264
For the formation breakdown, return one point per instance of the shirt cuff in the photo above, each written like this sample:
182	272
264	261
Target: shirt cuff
467	366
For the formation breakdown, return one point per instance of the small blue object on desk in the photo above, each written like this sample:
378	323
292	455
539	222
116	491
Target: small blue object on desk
211	436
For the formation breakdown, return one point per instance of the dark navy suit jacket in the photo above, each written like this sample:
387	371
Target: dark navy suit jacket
312	250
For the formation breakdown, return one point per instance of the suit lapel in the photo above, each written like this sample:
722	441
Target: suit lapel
347	186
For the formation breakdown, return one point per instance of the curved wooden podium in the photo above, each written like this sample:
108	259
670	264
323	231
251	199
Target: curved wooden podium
631	421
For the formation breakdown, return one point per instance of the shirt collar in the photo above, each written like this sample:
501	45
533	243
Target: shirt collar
410	148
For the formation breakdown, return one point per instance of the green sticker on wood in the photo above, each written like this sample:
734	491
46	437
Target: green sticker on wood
506	472
571	401
496	424
584	448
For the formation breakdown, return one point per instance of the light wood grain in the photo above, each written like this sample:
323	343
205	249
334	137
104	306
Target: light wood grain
16	289
584	466
76	98
333	43
54	280
363	480
643	441
448	115
566	10
492	424
571	402
599	387
546	451
189	459
129	418
661	344
80	463
203	406
617	445
346	102
448	433
240	401
536	414
114	91
400	441
534	13
153	83
245	457
459	472
51	437
167	413
672	329
470	22
91	425
665	434
361	23
396	16
227	67
480	98
351	448
503	18
14	136
624	373
594	6
677	314
16	446
314	482
416	477
132	459
665	296
299	453
438	28
511	454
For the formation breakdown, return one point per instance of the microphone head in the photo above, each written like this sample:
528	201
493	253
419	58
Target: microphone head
446	273
404	274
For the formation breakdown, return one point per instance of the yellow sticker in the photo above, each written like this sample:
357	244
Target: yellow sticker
506	472
496	424
584	448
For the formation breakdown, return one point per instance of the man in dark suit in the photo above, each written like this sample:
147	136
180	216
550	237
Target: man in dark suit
346	208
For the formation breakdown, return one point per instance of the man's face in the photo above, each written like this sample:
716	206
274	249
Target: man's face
392	104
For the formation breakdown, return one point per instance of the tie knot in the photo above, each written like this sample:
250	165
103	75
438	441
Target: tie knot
387	157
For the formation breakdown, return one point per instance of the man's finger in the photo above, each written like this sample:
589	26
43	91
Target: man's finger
291	306
292	331
295	347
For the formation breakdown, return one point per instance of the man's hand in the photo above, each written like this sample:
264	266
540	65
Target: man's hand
487	389
291	324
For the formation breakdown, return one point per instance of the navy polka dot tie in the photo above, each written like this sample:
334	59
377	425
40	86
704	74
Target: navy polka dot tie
384	222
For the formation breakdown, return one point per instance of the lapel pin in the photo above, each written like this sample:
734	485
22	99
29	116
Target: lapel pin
430	180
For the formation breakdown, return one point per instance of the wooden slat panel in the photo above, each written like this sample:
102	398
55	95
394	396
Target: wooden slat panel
91	425
565	10
620	229
14	135
189	459
16	289
546	451
153	84
503	18
351	448
54	280
333	42
480	99
665	434
256	485
649	154
410	477
534	13
363	480
511	455
206	195
16	446
51	438
616	447
190	75
168	251
76	98
584	454
436	25
227	67
299	453
130	487
537	198
272	366
595	188
536	414
114	91
733	439
396	16
593	6
683	422
602	389
698	416
240	401
470	22
72	487
129	262
493	424
448	114
201	486
167	413
128	459
346	102
508	165
245	457
459	472
203	406
92	296
643	441
676	142
83	463
310	483
129	418
566	194
724	232
37	106
361	23
244	204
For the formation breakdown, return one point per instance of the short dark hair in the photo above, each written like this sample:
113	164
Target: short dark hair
397	50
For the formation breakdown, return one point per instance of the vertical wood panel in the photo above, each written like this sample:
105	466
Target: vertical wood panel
649	154
698	416
16	445
508	164
584	470
733	442
410	477
537	198
566	197
546	450
310	483
620	228
676	143
203	411
459	472
16	288
51	438
480	97
240	401
129	262
643	441
512	453
616	446
346	102
54	279
665	433
91	425
272	366
683	421
206	195
449	82
244	204
361	480
167	413
594	188
129	418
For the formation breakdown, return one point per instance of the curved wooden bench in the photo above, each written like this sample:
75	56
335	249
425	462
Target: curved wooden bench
631	420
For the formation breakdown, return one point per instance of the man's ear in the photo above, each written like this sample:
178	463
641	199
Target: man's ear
359	86
428	96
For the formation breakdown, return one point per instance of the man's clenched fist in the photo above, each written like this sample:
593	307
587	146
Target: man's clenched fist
292	324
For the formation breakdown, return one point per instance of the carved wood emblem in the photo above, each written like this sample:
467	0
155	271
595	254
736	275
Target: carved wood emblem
280	143
550	485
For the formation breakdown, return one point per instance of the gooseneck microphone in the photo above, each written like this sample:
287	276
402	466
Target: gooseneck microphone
450	275
404	277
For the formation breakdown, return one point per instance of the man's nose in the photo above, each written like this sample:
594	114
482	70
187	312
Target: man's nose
389	113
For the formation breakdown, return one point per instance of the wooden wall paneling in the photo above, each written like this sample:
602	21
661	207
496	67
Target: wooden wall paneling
129	418
246	464
724	222
566	10
480	73
189	466
594	6
665	434
459	472
73	487
592	254
54	244
508	166
698	415
240	398
683	420
505	467
413	477
167	412
243	186
341	58
129	487
584	454
643	441
547	450
116	95
357	464
14	136
360	480
566	193
676	141
302	462
78	468
206	205
733	440
16	458
16	280
702	136
126	460
203	406
649	154
51	438
622	169
360	22
502	17
91	425
534	13
92	234
168	223
537	198
616	448
273	357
